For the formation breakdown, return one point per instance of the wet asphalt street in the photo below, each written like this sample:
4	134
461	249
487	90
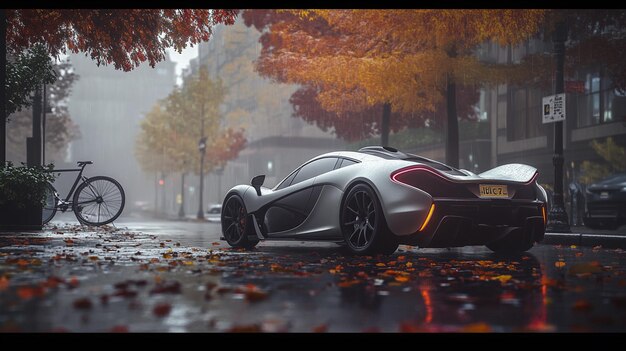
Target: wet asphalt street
151	275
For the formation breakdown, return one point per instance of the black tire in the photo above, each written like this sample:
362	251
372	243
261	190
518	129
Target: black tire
49	208
237	224
98	201
363	224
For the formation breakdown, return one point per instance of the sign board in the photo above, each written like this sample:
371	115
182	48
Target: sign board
553	108
575	86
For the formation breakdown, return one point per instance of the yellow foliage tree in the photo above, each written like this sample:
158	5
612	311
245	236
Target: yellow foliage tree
614	157
170	133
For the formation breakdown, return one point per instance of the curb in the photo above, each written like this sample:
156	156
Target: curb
581	239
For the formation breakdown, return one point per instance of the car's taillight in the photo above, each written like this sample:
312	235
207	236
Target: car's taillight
428	217
431	181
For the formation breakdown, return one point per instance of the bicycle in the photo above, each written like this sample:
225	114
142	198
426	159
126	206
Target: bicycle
97	200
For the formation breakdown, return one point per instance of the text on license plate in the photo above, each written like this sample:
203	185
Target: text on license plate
493	191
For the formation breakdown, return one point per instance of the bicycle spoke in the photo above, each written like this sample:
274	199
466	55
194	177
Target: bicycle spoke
99	201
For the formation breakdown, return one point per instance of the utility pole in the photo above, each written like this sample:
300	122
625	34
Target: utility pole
557	218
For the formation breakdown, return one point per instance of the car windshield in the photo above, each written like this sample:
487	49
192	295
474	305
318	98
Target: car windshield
614	179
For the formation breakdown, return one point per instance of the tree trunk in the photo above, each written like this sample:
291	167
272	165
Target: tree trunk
384	125
3	79
452	135
181	210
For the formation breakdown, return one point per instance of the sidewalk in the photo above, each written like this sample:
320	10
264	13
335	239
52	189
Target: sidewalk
187	218
584	236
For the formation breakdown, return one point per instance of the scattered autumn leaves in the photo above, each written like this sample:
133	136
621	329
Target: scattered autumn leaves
161	265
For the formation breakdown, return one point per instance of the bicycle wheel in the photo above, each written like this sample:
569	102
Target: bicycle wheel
50	207
98	201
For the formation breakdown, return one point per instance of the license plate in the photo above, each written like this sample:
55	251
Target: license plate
604	195
493	191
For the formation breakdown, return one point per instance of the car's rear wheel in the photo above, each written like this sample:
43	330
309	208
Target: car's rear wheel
363	225
237	223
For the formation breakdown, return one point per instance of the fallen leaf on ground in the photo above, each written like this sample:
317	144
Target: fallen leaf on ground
27	292
4	283
408	327
82	303
172	287
587	267
582	306
162	309
322	328
480	327
73	283
348	283
247	328
502	278
119	329
255	295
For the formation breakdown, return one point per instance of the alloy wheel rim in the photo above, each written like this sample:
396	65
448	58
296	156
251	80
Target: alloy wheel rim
234	220
359	220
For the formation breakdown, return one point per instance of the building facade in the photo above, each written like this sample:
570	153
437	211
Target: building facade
515	113
108	106
276	142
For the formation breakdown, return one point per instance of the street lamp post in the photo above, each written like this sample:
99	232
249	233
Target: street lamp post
557	218
201	148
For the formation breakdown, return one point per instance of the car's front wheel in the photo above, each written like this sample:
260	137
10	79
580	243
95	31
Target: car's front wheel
363	225
237	223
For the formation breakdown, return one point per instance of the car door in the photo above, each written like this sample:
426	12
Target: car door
291	210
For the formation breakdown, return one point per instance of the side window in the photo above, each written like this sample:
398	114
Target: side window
287	181
345	162
314	169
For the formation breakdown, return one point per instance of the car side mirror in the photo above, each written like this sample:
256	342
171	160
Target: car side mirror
257	182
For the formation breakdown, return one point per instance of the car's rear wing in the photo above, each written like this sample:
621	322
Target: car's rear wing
512	172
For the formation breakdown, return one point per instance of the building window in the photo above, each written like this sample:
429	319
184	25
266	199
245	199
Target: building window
601	102
524	120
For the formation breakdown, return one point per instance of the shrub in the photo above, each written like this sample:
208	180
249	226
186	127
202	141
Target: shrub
24	186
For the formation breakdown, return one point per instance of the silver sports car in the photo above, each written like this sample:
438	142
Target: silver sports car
377	198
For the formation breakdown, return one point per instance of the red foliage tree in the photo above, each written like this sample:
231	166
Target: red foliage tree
123	37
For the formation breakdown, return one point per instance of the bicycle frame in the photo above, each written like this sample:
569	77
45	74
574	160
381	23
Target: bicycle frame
78	178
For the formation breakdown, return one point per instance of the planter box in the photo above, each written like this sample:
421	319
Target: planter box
14	219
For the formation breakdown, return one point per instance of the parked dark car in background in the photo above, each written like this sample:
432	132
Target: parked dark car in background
214	212
606	203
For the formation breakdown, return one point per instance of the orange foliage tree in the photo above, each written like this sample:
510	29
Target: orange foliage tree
408	61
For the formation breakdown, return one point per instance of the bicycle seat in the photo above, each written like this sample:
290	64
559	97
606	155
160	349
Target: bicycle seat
82	163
